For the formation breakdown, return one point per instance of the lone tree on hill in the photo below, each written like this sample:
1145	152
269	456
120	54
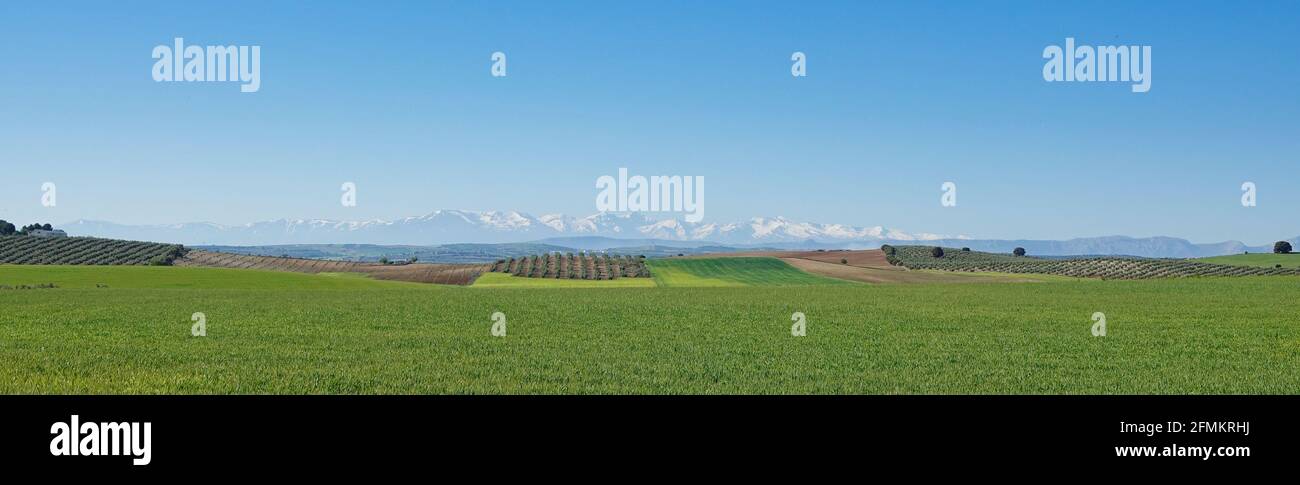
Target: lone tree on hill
936	252
1282	247
1019	252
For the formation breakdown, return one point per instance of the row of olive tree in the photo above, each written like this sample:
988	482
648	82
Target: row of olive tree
1280	247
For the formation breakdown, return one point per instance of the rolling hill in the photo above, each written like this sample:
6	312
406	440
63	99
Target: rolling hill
605	230
85	251
954	259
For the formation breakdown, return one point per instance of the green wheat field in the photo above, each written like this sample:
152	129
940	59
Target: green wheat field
697	329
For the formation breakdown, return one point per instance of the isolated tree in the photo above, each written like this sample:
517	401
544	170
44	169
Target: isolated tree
965	250
383	260
1282	247
7	228
844	261
936	252
1019	252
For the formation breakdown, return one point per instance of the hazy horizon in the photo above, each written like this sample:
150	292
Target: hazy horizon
920	236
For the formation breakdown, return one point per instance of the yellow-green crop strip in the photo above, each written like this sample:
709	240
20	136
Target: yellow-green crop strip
733	272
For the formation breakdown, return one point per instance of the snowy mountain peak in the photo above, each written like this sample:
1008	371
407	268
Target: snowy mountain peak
459	226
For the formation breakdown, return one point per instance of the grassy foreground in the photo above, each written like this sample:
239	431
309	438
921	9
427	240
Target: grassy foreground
119	277
293	333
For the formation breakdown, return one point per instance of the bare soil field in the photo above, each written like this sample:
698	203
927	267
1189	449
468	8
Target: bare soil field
443	274
447	274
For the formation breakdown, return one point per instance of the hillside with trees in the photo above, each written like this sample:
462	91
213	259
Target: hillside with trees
19	249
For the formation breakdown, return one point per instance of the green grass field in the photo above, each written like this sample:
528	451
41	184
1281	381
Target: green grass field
298	333
1257	260
733	272
174	277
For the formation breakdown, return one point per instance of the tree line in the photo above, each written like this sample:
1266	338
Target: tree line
8	229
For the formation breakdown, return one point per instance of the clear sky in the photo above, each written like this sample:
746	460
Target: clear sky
899	98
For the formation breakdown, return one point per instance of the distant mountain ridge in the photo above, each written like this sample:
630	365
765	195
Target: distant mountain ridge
452	253
623	230
457	226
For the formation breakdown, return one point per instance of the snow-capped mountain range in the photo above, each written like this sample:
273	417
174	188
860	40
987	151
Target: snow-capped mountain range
460	226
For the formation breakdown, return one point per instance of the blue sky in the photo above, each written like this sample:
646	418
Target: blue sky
899	98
